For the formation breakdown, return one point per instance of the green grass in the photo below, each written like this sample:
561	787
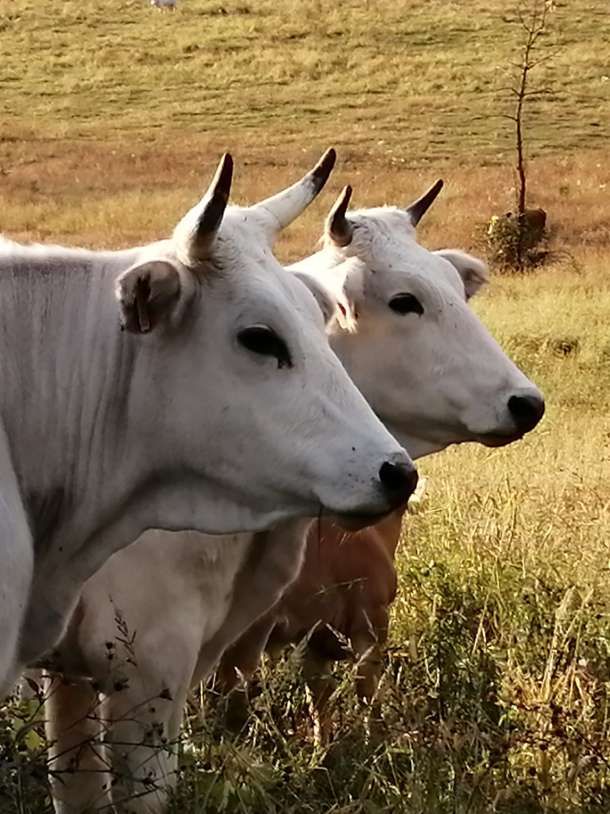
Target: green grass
496	692
417	80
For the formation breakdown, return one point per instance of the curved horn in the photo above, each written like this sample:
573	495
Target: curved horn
338	226
418	208
197	228
287	205
216	198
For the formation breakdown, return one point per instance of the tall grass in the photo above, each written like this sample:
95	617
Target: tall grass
496	692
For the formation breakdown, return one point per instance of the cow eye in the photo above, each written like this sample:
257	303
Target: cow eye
406	304
264	341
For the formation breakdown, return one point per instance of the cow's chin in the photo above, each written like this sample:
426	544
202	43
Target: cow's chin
357	522
499	440
487	439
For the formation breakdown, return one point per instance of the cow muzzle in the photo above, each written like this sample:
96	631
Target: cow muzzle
397	481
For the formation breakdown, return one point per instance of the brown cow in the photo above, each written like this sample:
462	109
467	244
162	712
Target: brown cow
344	592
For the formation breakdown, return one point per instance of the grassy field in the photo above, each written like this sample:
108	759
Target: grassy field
497	692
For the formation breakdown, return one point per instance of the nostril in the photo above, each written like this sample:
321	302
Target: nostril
526	411
399	480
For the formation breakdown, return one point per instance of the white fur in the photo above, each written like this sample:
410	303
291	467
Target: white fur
450	380
108	433
442	365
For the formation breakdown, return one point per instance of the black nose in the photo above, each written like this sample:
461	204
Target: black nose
398	480
526	410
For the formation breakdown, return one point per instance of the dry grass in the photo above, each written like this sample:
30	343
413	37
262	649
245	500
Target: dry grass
115	195
498	678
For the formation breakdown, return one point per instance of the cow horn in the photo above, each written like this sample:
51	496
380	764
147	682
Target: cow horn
418	208
287	205
197	228
338	226
216	198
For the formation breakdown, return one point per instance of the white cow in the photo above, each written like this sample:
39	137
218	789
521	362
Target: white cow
434	374
164	4
220	408
461	386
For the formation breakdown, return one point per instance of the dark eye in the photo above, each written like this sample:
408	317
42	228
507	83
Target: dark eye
406	304
262	340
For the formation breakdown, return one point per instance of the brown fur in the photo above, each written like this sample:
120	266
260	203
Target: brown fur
342	595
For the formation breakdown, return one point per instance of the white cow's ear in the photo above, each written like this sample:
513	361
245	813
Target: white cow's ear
147	293
333	302
351	294
472	270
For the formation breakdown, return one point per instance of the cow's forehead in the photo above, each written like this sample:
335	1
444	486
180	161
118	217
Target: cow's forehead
384	241
243	251
242	254
384	220
239	244
290	294
241	237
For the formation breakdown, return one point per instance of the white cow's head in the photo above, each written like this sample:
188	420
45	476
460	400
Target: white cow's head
421	357
257	406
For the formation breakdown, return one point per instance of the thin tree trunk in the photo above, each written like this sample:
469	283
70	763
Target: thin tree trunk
521	192
522	187
534	27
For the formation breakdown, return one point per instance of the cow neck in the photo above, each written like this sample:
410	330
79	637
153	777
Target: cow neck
69	370
71	379
391	528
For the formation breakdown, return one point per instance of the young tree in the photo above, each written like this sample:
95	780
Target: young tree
516	235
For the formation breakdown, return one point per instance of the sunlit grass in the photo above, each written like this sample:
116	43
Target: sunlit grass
399	72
